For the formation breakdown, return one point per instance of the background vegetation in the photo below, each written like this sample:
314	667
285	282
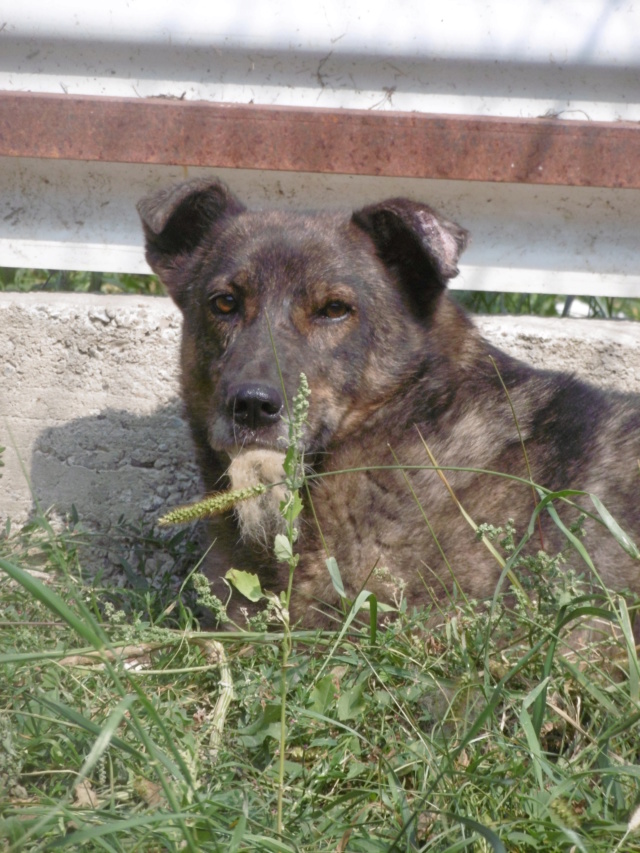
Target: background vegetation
544	305
27	280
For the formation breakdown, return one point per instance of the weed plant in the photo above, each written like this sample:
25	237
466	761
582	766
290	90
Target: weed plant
125	728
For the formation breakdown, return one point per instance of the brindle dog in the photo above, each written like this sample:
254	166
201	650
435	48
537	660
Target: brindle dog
358	302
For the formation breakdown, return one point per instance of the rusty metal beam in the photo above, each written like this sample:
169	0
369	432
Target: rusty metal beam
359	142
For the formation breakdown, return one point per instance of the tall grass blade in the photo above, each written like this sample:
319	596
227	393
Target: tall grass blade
614	528
626	626
356	607
488	834
77	719
531	728
336	577
117	828
106	736
51	600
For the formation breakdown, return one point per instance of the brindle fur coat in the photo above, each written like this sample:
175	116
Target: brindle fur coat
358	302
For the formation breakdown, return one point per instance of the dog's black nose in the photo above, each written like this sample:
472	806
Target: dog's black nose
254	405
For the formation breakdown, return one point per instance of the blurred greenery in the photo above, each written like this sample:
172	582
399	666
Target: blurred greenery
542	305
548	305
26	280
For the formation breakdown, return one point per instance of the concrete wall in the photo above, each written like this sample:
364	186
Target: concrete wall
89	409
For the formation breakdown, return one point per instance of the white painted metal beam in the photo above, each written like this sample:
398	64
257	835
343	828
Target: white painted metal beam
82	216
576	58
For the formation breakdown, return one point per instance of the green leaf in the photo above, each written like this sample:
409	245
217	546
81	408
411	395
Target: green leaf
291	507
246	584
296	507
336	577
267	725
289	463
323	695
282	549
614	528
351	703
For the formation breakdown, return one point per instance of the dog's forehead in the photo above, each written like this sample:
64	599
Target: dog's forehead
269	250
306	232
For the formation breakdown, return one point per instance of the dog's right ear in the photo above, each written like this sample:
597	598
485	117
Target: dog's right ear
177	220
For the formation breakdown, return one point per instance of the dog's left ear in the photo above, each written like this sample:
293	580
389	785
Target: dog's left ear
412	238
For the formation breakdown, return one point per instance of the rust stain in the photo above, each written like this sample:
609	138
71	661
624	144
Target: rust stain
358	142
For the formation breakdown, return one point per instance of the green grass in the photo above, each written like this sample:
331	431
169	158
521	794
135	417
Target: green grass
28	280
547	305
124	728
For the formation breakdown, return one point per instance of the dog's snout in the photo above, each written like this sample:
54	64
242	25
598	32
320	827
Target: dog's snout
253	405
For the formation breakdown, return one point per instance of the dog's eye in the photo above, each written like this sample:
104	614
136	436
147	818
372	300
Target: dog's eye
223	304
335	310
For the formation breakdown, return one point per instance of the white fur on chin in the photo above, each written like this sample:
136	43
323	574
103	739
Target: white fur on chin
259	518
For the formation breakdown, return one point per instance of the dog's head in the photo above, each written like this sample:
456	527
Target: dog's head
347	299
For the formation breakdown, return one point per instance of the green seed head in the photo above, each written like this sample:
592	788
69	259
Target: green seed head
211	505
